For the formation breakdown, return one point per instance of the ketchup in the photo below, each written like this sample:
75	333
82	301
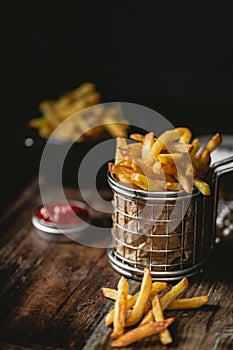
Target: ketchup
62	214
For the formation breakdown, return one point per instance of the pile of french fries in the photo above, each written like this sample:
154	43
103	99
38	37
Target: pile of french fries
169	162
143	312
53	112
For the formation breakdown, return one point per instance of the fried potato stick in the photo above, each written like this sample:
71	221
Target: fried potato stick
165	336
188	303
202	186
173	293
120	308
141	332
136	314
131	300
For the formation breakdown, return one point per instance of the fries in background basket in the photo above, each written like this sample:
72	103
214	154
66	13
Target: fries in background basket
169	162
146	310
110	121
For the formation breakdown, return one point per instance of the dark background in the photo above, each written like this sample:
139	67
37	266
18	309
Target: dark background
174	59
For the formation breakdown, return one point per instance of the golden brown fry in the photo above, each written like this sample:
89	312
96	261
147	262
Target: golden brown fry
214	142
165	336
131	300
146	183
163	140
141	332
172	294
157	287
171	158
137	137
136	314
118	170
149	317
185	134
109	318
125	179
196	146
88	125
169	169
126	163
188	303
168	163
202	186
120	308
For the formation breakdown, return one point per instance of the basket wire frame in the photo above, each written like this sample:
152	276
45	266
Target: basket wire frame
171	246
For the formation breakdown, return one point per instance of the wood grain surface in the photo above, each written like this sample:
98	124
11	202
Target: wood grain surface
50	293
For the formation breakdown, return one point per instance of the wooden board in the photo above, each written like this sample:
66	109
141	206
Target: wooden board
50	293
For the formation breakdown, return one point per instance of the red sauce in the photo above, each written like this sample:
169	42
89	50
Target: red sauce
62	214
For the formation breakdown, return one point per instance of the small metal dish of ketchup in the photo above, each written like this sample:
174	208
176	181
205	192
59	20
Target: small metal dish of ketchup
61	221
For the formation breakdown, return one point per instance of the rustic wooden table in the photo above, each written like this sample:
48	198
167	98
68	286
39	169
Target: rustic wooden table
50	294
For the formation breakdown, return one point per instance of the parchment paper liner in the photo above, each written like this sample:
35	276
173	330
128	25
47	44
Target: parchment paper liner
150	221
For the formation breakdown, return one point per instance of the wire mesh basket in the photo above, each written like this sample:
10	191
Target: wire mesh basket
169	232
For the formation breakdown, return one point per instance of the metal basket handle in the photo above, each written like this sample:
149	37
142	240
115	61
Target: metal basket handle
219	168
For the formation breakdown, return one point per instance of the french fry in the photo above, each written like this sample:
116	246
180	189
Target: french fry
172	294
153	321
120	308
149	317
125	179
131	300
165	336
202	186
163	140
188	303
171	158
141	332
112	294
137	137
99	122
169	169
213	143
146	183
136	313
157	287
185	134
167	163
196	146
109	318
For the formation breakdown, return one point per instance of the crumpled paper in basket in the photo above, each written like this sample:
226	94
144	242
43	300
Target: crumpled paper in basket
149	219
